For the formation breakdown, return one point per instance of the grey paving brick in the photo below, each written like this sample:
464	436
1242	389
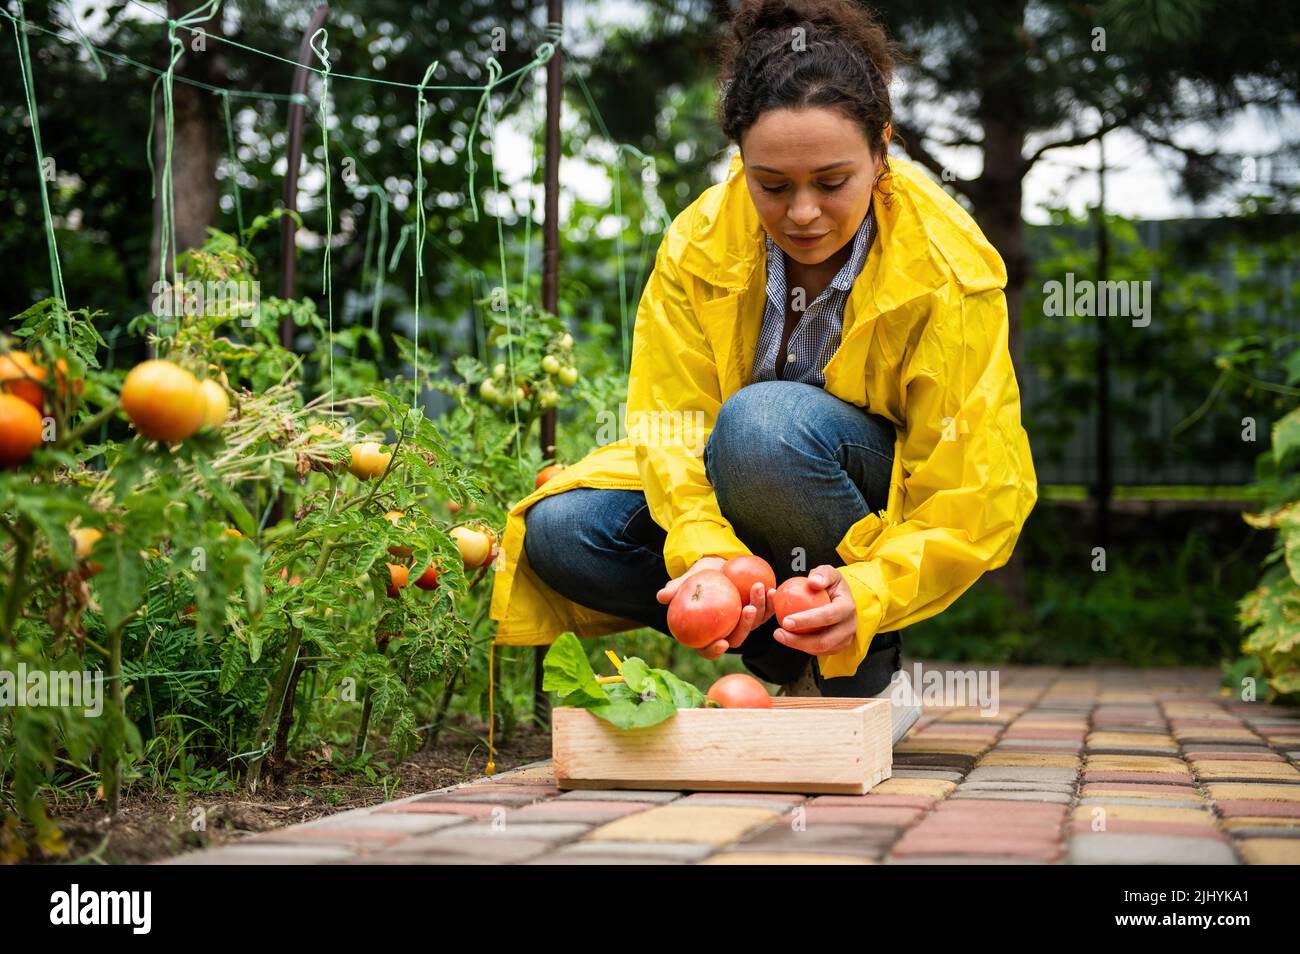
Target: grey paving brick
540	831
681	850
1062	788
265	854
1025	774
1055	798
619	795
1132	849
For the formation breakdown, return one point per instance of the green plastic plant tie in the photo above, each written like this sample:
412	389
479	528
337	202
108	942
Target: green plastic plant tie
420	225
319	46
378	222
85	41
29	86
234	162
471	165
400	246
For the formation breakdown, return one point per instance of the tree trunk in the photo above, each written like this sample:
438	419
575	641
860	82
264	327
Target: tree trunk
998	194
195	146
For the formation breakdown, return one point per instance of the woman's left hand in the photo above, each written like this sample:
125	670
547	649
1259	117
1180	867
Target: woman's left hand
824	629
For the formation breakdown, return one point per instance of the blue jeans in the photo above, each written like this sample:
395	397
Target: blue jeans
792	466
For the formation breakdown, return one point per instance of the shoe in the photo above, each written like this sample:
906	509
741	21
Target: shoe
906	708
805	685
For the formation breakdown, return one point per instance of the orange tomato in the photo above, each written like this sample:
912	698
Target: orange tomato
217	404
705	608
747	570
369	459
794	596
20	376
546	473
394	517
164	401
739	690
84	540
398	577
20	430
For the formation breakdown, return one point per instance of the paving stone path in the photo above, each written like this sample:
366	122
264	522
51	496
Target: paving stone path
1077	766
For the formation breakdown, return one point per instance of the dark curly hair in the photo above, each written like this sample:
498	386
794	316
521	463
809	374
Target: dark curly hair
842	59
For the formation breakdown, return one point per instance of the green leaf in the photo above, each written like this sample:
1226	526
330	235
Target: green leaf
1286	435
566	670
121	583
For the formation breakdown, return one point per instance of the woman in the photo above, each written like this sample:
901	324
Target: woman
819	375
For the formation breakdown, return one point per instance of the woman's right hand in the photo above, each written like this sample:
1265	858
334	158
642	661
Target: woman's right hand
755	609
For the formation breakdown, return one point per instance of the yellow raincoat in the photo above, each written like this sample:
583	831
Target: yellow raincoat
924	344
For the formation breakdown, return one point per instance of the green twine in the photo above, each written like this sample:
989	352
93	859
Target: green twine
234	163
378	218
420	227
167	245
29	86
494	68
85	42
327	284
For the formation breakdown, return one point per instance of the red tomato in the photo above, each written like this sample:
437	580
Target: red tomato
745	571
428	579
546	473
705	609
794	596
739	690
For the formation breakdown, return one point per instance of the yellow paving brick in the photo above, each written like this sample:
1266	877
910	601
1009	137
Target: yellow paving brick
1270	851
779	858
1227	791
1042	724
969	713
1145	813
1265	770
1244	735
929	787
1137	763
711	824
1023	759
1131	740
1260	821
919	744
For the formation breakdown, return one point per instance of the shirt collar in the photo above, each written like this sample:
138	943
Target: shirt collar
848	272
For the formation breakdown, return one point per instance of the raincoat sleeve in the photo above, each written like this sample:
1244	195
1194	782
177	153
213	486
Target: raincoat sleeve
967	484
673	399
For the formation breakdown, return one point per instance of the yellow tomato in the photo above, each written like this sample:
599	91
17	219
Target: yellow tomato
164	401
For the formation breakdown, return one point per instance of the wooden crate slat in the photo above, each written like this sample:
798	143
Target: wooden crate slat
802	744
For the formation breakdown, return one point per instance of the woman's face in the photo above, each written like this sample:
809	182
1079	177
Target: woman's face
810	174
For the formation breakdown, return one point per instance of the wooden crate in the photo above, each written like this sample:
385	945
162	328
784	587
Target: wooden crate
802	744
